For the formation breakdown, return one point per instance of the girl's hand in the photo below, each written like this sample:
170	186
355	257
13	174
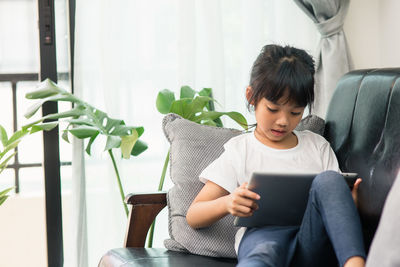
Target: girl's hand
241	202
354	191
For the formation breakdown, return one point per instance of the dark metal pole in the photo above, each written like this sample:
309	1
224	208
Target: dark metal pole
51	161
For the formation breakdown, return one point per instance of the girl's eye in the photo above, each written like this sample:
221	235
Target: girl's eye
272	110
296	113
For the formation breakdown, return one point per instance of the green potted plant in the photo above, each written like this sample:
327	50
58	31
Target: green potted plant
7	153
84	121
8	148
196	106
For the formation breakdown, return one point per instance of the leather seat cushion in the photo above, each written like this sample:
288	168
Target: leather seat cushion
159	257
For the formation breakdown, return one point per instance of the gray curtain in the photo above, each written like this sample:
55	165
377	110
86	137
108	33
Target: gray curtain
332	57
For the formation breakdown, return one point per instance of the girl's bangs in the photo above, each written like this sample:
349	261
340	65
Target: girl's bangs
292	83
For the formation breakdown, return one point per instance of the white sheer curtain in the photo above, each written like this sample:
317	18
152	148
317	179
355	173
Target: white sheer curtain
128	50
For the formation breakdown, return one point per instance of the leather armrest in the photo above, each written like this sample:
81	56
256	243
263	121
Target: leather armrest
145	208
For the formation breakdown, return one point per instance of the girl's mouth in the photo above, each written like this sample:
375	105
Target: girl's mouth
278	132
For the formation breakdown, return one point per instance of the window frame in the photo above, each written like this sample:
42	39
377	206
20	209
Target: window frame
51	161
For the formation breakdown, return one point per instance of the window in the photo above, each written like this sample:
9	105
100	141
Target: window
24	226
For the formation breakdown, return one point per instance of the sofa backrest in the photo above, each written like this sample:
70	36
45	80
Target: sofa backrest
363	127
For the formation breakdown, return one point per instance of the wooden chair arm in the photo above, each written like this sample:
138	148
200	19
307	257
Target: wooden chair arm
145	208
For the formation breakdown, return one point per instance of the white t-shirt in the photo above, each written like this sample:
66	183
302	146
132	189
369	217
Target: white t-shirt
244	154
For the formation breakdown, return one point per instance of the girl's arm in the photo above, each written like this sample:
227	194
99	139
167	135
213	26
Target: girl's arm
213	203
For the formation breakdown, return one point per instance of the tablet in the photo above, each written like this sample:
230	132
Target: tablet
283	198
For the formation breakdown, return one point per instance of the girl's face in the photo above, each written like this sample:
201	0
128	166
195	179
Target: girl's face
276	122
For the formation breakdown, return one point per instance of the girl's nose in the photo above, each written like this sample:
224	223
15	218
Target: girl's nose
282	121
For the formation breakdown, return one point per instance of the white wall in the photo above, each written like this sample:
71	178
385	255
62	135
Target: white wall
372	29
390	33
23	232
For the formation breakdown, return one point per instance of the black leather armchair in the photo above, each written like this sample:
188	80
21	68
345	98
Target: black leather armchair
363	127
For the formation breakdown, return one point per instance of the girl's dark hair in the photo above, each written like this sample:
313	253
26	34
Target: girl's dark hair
282	71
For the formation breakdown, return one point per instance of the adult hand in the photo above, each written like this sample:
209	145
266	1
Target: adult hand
241	202
354	191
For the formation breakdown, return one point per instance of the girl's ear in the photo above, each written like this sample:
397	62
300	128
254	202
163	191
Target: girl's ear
249	94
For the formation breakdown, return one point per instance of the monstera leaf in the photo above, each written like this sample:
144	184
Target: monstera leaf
84	121
7	153
195	106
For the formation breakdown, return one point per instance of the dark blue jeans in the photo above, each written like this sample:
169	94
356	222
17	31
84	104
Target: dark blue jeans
330	231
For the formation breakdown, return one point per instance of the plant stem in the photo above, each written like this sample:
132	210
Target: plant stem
121	190
160	187
151	234
164	171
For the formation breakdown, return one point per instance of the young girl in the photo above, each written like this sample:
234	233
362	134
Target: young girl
281	86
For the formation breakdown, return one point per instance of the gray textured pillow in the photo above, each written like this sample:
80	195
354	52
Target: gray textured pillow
193	148
313	123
